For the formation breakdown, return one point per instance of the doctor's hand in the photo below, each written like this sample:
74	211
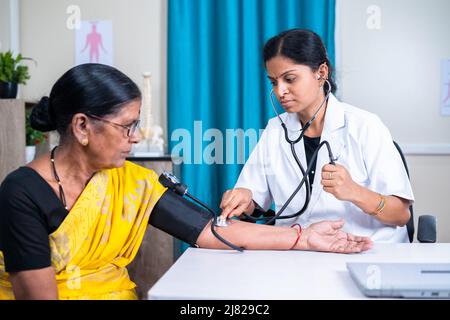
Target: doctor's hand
237	201
327	236
337	181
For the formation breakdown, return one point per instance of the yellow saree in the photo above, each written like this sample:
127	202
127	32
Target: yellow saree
101	235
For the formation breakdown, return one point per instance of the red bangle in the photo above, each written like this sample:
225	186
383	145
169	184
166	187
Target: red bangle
299	233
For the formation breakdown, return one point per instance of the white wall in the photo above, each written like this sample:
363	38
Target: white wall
9	25
395	72
5	27
139	38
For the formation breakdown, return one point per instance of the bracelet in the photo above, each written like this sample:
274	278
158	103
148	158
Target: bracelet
299	233
380	207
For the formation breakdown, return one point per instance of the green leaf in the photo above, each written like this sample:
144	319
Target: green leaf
11	70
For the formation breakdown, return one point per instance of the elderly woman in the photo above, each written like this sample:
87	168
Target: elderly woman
73	219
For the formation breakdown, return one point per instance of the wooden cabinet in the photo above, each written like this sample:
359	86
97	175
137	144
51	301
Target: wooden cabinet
12	135
158	250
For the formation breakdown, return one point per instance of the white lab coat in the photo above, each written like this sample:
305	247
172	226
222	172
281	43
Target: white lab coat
362	144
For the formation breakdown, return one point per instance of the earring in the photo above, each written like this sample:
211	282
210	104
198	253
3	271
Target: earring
84	142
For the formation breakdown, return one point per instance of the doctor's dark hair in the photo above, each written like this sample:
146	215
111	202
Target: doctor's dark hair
303	47
91	88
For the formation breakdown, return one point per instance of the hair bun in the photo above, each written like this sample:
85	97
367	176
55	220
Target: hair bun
40	118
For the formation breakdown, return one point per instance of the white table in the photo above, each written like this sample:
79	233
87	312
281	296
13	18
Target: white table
271	275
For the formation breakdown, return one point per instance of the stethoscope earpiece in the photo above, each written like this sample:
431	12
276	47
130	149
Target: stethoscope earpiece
315	114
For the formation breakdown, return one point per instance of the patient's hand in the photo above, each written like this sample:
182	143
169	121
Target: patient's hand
327	236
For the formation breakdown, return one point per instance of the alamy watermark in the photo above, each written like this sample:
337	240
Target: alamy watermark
74	19
374	17
373	281
213	146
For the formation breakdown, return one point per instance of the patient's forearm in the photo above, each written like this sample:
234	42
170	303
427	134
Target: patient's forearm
250	236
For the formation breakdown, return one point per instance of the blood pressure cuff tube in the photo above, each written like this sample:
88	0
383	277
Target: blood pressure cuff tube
179	217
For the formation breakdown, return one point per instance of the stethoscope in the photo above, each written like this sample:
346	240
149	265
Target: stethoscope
305	180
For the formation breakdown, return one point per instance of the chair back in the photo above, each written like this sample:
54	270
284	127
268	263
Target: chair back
410	224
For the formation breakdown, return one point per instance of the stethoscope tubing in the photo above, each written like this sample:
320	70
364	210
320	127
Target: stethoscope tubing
305	180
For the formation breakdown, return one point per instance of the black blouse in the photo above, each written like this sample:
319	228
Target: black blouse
311	144
29	211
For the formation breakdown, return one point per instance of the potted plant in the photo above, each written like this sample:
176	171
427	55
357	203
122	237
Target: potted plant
12	73
33	138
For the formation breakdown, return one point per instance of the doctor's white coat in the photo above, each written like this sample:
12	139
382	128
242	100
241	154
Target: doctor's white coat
362	144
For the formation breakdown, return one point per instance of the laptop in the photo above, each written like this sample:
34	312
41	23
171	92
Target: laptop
402	280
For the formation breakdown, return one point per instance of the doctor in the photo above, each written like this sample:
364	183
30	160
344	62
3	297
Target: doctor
368	186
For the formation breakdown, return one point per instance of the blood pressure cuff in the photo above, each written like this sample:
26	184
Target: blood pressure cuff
179	217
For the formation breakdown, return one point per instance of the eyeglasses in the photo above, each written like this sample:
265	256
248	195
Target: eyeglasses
131	129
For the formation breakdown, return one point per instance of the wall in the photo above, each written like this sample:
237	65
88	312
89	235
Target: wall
139	37
9	25
394	71
5	28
